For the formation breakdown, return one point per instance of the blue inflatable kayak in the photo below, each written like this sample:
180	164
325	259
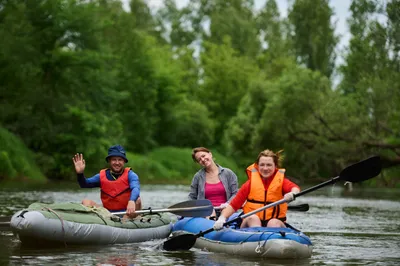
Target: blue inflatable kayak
254	242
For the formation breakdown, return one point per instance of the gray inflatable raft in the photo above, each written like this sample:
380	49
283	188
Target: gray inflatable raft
75	224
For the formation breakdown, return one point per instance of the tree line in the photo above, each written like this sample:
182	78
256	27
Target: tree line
82	75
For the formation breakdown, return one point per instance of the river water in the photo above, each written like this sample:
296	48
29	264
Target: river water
361	227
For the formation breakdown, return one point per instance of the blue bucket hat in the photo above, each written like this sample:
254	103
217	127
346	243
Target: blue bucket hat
118	151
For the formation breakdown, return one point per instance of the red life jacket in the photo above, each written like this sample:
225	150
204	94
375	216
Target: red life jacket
259	197
115	194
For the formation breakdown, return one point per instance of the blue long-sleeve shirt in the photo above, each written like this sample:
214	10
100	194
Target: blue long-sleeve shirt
94	181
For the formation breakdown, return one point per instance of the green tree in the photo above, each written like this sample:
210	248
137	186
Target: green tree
273	31
313	35
178	26
289	116
225	79
283	112
60	64
235	19
371	78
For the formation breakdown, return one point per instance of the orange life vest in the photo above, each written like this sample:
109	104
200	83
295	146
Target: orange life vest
115	194
259	197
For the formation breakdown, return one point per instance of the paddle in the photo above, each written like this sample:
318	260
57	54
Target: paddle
357	172
4	223
4	226
299	208
190	208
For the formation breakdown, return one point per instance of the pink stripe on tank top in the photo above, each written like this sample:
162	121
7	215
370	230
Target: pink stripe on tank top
215	193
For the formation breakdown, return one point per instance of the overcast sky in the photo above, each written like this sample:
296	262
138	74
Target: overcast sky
340	7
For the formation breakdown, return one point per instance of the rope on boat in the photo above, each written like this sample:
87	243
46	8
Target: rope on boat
103	214
102	218
61	220
144	220
244	241
260	247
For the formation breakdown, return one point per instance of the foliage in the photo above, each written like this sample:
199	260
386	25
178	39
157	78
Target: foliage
79	76
371	80
175	158
274	33
233	19
16	161
226	78
314	40
152	171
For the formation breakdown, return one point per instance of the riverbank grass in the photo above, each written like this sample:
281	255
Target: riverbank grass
16	160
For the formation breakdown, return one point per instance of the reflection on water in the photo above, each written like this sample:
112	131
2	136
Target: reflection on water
357	228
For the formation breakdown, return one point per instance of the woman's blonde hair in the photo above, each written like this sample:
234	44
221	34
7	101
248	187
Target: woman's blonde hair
277	157
196	150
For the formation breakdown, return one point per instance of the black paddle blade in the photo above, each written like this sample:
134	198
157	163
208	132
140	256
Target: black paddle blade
299	208
181	242
193	208
363	170
191	203
199	211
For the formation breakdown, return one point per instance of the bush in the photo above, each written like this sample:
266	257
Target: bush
177	159
150	172
16	160
6	167
173	165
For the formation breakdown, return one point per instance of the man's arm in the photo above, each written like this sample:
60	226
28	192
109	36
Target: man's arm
134	184
90	182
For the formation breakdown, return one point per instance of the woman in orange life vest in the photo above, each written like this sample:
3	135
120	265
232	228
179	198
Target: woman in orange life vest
266	184
120	187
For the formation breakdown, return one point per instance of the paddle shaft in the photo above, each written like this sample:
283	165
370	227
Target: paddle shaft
311	189
357	172
300	207
308	190
190	208
4	222
5	226
172	210
243	216
372	164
